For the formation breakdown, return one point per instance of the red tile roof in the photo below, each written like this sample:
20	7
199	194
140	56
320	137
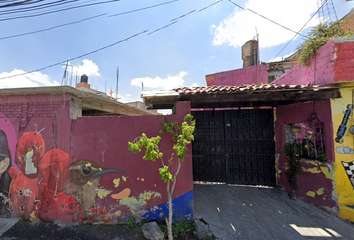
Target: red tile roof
243	88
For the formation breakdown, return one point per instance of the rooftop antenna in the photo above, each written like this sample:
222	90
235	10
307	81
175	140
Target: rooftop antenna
257	50
142	86
117	82
65	71
326	11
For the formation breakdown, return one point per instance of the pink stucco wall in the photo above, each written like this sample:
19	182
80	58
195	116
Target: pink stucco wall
316	178
105	141
247	75
39	130
333	62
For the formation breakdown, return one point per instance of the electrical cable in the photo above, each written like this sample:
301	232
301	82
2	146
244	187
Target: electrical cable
29	8
136	10
60	10
51	28
300	29
97	50
83	55
75	22
168	25
38	7
267	18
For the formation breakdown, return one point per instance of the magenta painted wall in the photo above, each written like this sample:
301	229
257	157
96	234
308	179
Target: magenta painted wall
46	148
248	75
333	63
312	176
105	141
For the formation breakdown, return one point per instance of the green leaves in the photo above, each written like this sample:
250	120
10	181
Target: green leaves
182	136
165	174
318	37
151	145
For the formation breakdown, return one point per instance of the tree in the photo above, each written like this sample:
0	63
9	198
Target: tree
182	137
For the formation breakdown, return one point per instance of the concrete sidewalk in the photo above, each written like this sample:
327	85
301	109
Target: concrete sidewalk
236	212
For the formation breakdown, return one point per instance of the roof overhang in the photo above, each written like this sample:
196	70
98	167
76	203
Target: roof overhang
94	104
240	96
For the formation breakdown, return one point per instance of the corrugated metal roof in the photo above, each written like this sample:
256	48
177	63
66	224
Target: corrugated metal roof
243	89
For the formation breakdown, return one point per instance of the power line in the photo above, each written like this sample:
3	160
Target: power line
51	28
182	16
300	29
83	55
60	10
97	50
37	7
136	10
267	18
75	22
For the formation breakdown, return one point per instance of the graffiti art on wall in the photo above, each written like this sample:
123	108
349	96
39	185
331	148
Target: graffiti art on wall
349	169
344	150
5	179
47	185
343	126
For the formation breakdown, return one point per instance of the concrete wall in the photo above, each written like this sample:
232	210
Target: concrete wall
247	75
60	168
315	180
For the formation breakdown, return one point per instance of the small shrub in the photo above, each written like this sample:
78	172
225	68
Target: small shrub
130	223
180	228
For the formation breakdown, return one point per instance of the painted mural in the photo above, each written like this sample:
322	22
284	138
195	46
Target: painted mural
40	181
36	183
343	122
47	186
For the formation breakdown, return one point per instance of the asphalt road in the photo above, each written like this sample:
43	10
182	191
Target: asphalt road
237	212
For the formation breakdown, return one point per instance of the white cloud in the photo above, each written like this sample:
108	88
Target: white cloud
167	83
195	85
128	95
35	79
87	67
241	25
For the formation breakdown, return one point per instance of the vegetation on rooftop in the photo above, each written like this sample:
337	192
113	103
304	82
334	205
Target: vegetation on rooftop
319	36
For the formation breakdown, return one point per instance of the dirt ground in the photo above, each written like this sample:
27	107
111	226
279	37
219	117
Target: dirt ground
51	231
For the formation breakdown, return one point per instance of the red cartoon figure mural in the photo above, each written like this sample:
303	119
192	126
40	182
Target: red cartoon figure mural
48	186
29	151
24	194
5	179
54	168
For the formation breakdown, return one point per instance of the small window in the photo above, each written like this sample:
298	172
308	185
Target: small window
306	140
271	79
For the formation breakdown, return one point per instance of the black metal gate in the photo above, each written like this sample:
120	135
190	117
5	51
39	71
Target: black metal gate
234	146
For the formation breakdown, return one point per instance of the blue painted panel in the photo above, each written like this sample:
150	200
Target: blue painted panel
182	209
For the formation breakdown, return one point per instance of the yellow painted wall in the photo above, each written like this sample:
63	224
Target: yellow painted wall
343	187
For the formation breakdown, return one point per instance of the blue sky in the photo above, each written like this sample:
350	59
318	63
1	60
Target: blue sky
201	43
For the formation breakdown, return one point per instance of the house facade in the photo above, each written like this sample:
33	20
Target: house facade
295	133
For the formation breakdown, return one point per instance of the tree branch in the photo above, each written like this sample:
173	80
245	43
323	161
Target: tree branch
174	177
